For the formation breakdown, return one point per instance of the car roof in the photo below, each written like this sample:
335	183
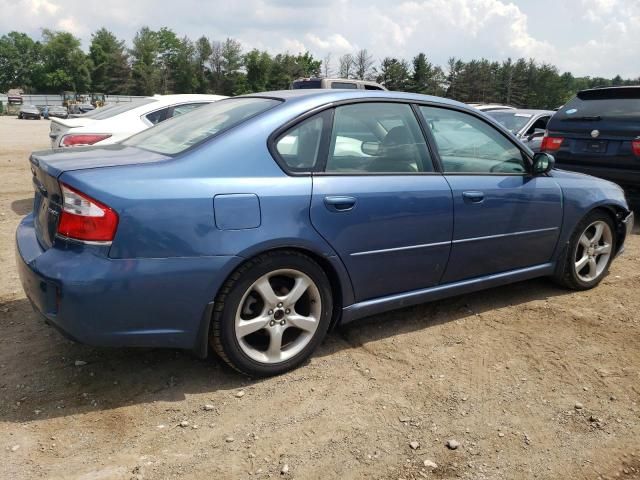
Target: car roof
322	96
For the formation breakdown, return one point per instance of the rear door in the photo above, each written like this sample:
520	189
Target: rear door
505	218
595	131
379	201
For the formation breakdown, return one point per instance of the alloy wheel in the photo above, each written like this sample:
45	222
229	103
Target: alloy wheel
593	251
278	316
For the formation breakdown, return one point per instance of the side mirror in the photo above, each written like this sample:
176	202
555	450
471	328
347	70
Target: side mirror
370	148
538	132
543	163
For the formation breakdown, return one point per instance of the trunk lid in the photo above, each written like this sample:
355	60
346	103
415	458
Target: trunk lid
48	165
60	126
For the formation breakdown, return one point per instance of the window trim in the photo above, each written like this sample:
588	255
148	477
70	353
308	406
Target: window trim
277	133
430	141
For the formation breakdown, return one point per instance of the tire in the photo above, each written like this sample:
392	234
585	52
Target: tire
278	298
587	257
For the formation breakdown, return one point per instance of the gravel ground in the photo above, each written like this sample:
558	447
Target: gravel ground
527	381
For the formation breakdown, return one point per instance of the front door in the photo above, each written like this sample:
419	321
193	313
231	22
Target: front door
379	202
505	218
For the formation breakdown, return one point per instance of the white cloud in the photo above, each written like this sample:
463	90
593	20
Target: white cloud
596	37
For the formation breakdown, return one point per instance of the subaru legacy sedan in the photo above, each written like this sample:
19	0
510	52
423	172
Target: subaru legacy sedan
255	224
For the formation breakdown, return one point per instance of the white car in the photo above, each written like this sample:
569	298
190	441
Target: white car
490	107
114	123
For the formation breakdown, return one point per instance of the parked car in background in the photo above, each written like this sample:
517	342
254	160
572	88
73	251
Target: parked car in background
242	225
341	83
111	125
598	132
29	111
488	107
527	125
58	111
14	95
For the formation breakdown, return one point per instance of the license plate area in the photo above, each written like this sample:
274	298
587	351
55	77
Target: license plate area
596	146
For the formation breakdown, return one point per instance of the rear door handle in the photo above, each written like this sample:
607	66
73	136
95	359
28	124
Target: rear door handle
473	197
339	203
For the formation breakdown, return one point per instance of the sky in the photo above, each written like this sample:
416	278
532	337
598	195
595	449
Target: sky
585	37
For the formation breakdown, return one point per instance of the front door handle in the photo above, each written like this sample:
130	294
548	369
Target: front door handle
473	197
339	203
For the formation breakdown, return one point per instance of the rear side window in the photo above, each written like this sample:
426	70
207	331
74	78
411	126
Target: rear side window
299	147
304	84
344	85
158	116
613	104
178	134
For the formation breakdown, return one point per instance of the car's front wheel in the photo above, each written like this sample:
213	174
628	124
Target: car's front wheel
589	253
272	313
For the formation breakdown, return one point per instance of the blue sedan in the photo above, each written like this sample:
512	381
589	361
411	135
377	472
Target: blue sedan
257	223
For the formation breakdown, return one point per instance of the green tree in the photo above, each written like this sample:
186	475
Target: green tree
203	53
110	64
20	61
258	65
394	74
65	65
145	72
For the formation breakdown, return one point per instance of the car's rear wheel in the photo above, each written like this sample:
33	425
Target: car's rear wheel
272	313
589	253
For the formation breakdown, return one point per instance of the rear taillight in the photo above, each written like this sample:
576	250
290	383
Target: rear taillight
551	144
635	146
80	139
86	219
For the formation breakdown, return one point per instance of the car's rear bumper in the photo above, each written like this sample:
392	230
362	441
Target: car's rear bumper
151	302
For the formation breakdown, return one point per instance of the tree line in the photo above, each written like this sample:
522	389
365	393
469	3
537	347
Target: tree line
159	61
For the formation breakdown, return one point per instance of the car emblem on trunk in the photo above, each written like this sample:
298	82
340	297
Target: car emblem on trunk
595	133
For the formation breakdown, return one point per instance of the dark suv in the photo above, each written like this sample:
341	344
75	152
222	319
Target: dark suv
598	132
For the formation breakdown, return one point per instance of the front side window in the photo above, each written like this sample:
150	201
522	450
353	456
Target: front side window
178	134
377	138
466	144
299	147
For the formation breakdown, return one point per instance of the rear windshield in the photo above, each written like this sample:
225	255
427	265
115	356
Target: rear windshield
509	119
179	133
113	110
300	84
613	104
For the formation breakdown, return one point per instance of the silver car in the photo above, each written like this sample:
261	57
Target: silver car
528	125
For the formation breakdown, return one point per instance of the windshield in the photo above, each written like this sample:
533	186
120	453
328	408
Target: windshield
113	110
612	104
179	133
510	120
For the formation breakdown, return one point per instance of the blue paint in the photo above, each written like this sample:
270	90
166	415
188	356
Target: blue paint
187	221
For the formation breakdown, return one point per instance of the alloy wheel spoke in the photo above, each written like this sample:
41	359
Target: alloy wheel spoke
584	241
603	249
247	327
308	324
598	233
300	286
274	351
264	288
593	267
580	264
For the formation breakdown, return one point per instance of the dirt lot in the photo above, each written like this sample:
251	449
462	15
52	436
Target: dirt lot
533	381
